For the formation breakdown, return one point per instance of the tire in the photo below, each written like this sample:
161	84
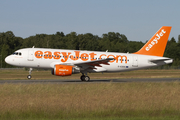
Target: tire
29	76
82	78
86	78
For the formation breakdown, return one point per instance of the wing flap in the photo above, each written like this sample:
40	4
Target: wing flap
93	64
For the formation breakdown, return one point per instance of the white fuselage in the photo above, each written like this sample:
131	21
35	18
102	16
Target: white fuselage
47	58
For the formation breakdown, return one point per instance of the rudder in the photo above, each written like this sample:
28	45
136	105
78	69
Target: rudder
157	44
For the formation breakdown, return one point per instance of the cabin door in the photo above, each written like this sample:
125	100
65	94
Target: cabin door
135	61
30	55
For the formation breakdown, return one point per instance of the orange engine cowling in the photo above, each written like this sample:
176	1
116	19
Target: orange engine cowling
63	70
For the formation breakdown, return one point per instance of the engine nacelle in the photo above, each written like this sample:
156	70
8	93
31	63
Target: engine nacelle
64	70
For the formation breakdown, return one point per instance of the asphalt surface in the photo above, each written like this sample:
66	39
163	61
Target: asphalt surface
92	81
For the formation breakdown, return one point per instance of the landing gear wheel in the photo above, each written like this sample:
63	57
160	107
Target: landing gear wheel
82	78
86	78
29	76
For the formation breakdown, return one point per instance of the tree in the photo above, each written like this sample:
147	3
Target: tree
4	52
72	41
178	38
171	49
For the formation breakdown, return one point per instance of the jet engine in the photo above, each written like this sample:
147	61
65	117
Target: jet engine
64	70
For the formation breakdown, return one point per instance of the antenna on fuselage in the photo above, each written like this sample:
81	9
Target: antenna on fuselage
33	46
106	50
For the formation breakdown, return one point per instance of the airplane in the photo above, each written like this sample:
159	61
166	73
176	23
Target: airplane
64	62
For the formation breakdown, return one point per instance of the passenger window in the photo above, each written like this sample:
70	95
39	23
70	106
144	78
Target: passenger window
20	54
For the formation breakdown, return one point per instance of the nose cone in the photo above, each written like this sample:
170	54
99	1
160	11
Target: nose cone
8	59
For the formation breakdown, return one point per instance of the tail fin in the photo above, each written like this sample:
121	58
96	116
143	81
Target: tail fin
157	44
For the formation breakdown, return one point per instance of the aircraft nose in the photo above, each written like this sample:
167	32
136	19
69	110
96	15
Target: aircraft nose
7	59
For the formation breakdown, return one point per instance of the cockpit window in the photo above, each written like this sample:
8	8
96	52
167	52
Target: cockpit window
17	53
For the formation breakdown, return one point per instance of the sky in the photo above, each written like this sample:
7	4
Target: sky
138	20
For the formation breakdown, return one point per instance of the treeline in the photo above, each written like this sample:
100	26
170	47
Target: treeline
113	42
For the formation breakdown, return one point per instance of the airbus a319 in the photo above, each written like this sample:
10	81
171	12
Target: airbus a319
67	62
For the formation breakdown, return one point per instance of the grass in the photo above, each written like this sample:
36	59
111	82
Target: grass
98	101
89	101
20	74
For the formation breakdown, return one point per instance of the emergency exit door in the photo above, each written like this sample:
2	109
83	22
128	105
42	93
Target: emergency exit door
30	55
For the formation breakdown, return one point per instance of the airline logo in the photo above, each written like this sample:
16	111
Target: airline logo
63	70
76	55
155	40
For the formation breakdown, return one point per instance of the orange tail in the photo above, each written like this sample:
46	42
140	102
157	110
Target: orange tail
157	44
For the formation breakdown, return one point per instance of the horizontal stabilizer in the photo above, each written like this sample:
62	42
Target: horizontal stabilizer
166	60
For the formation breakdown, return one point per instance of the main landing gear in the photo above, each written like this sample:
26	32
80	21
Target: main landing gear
85	78
29	76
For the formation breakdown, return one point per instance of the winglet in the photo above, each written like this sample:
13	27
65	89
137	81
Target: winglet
157	44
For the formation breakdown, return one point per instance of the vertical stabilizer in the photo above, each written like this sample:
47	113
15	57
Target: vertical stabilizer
157	44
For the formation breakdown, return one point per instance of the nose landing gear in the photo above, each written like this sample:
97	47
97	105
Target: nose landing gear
29	76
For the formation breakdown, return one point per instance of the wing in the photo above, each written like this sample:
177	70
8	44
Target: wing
90	65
